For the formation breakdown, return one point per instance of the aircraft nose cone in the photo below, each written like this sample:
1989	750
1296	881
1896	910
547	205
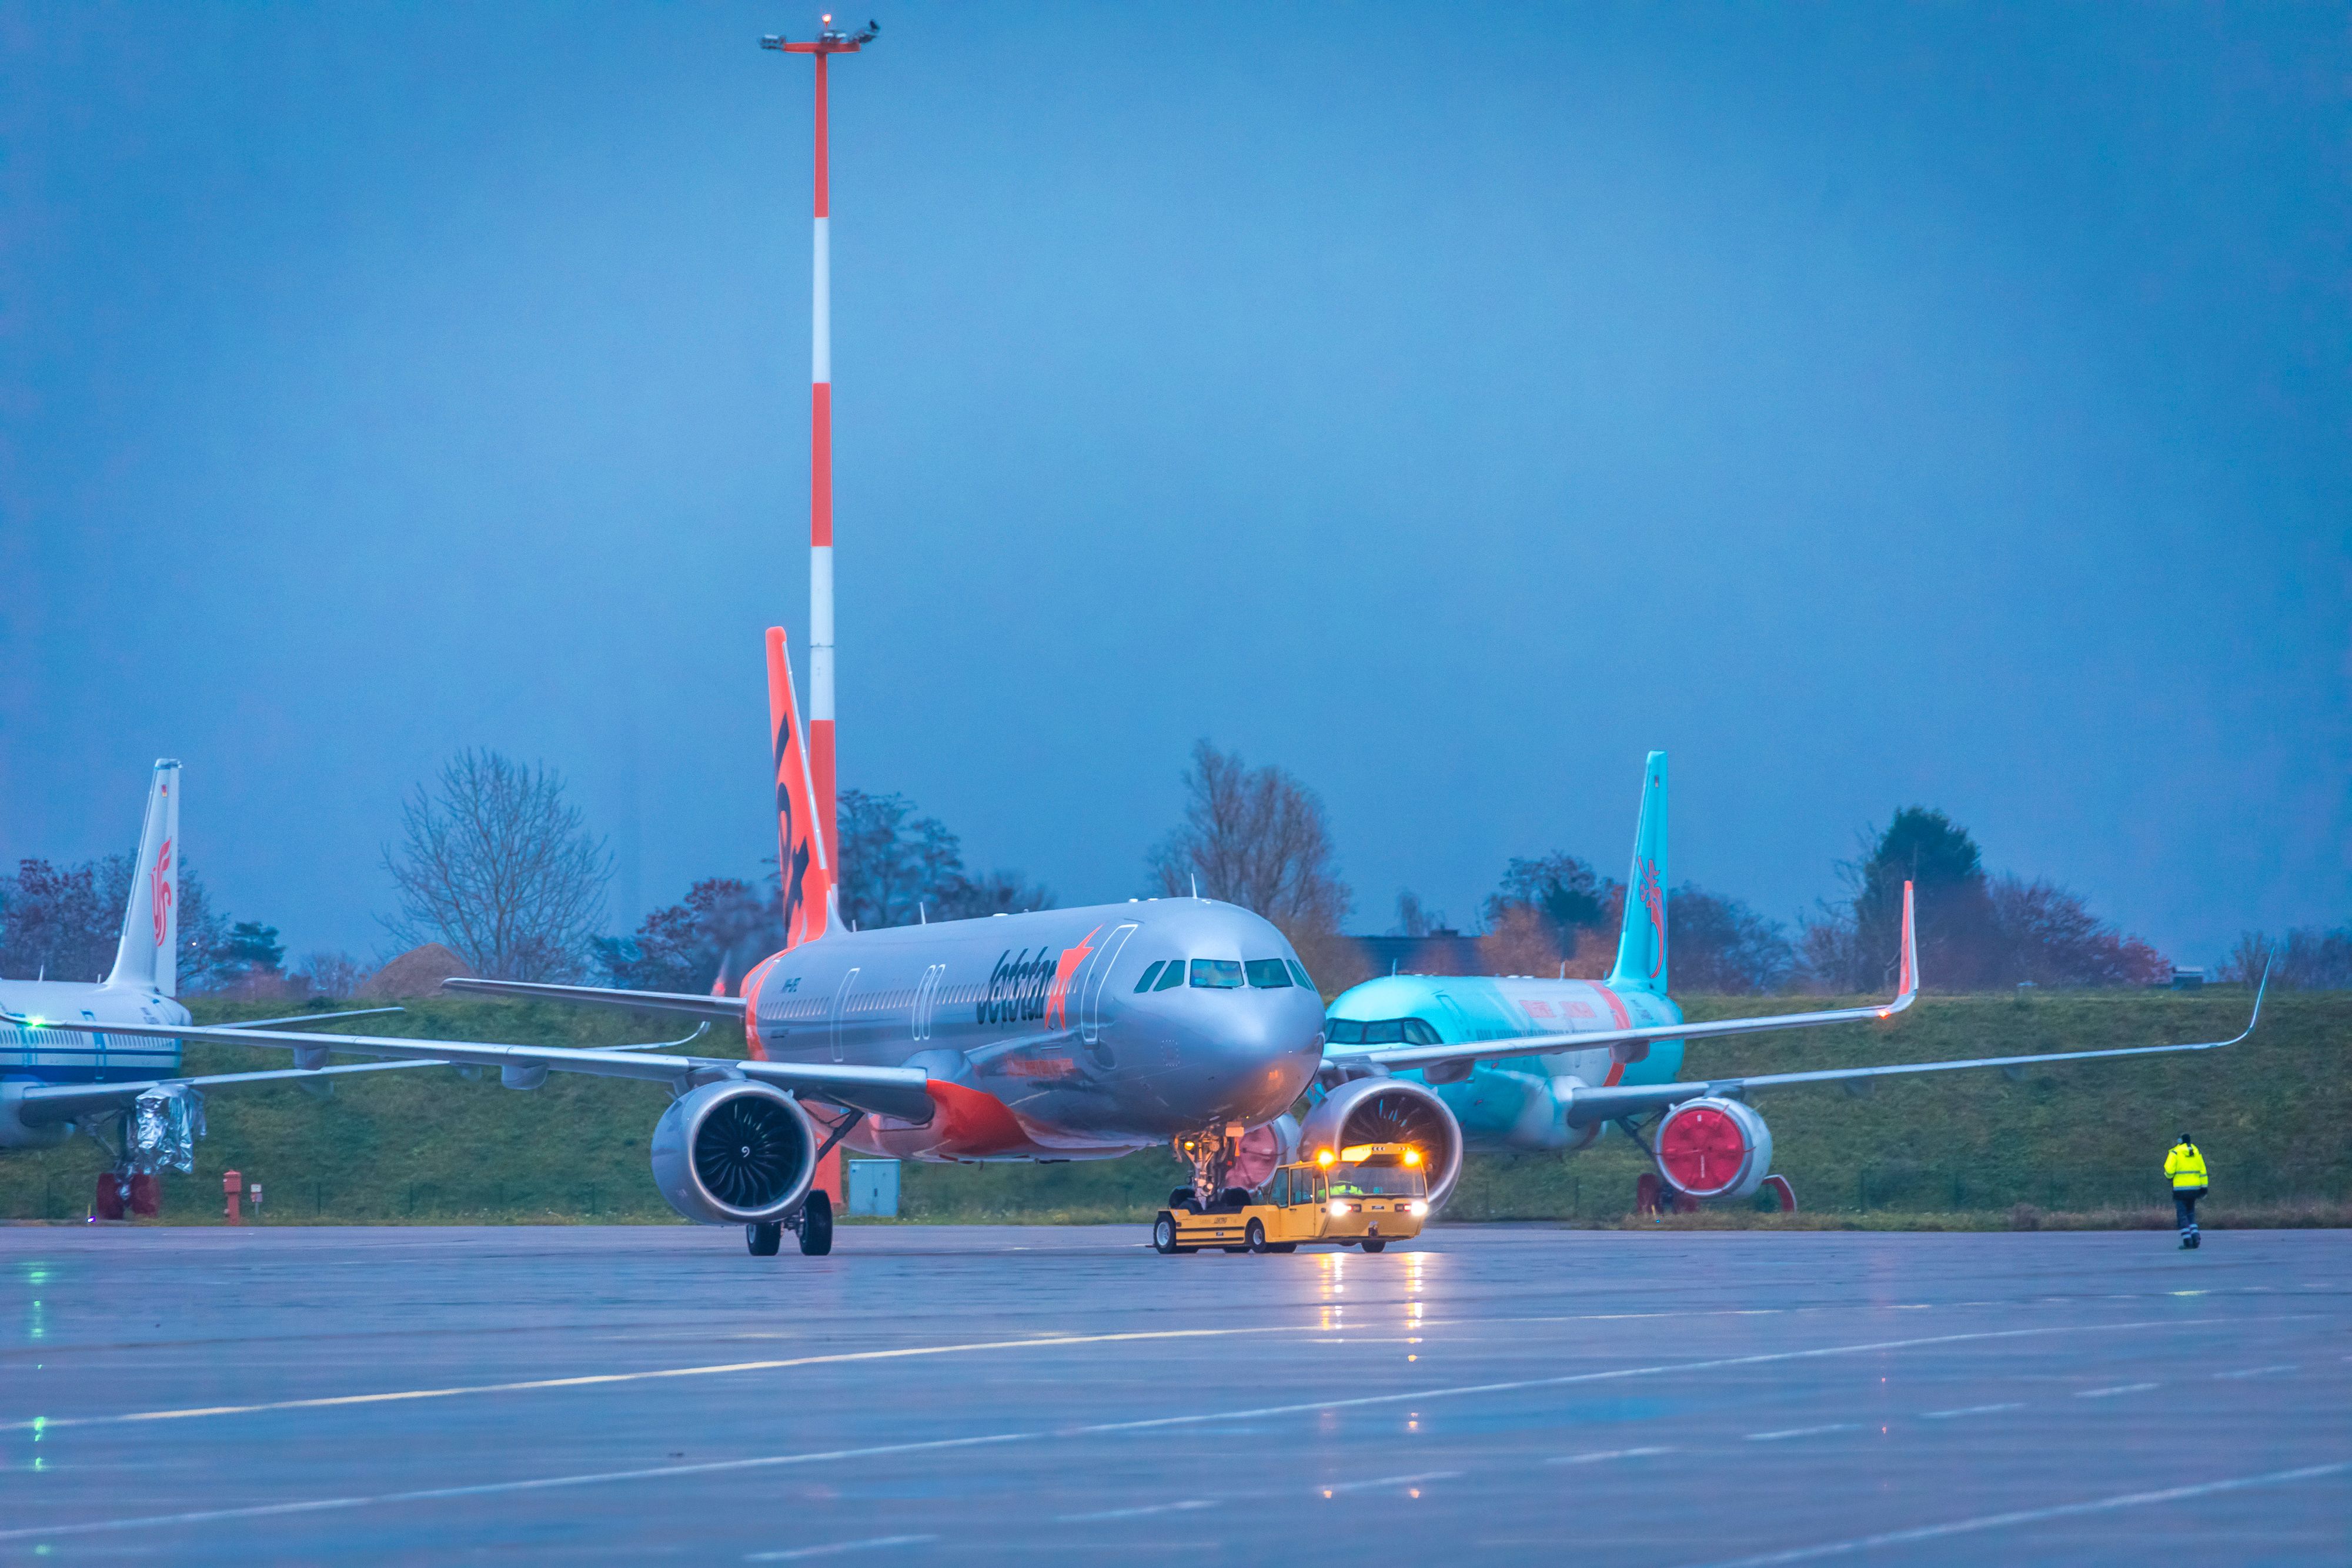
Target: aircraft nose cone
1256	1060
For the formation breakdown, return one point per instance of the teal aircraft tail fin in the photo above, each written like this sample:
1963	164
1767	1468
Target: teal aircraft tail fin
1642	946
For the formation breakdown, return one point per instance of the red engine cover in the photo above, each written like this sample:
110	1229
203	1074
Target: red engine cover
1714	1148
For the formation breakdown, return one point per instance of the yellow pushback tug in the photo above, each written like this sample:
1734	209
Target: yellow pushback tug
1366	1196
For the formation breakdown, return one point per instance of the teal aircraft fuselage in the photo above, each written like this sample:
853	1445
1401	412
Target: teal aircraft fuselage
1518	1102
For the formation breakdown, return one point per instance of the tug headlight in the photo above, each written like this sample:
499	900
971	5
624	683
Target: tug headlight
1412	1157
1339	1208
1418	1208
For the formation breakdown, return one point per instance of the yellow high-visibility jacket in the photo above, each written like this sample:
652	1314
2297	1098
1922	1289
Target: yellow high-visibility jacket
2185	1165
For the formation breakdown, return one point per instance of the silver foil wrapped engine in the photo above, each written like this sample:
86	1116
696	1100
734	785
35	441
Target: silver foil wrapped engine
165	1124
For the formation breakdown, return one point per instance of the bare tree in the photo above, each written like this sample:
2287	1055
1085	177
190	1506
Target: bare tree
337	975
1254	837
502	868
2308	957
1414	917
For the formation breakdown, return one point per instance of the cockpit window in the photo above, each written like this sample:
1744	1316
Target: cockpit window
1299	973
1174	977
1267	974
1149	976
1216	974
1380	1032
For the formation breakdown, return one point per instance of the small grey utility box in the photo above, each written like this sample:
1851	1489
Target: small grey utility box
874	1188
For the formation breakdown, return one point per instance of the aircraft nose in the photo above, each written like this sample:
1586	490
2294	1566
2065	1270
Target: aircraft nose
1265	1052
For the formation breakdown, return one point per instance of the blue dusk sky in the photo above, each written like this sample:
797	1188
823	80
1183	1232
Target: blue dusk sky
1866	404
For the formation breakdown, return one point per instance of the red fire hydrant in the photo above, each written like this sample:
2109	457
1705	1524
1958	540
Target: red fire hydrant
232	1185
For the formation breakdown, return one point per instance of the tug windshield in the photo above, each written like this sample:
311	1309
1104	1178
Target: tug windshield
1377	1181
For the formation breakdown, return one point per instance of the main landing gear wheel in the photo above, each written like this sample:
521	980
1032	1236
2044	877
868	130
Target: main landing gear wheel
1376	1243
764	1240
1163	1236
1256	1234
817	1225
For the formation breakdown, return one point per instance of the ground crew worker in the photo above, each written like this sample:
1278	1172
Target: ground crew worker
2184	1167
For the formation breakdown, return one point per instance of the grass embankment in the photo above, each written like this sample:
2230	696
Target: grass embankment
2077	1144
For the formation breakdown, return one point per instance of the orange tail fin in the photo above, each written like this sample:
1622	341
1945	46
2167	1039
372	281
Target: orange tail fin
800	846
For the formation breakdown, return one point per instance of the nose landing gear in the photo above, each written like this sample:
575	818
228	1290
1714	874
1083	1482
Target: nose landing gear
1211	1153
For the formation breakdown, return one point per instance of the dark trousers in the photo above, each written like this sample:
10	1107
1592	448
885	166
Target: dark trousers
2184	1207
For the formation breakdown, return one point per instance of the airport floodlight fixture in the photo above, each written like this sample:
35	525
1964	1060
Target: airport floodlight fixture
829	41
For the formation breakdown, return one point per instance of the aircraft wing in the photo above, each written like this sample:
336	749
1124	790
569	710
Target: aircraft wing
1396	1057
316	1018
728	1009
899	1092
1586	1106
42	1104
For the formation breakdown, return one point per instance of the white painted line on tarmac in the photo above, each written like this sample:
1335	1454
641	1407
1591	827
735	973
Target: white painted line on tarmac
1099	1429
2257	1370
1188	1504
1337	1487
1595	1458
2118	1388
2031	1516
1805	1432
604	1379
1965	1410
835	1548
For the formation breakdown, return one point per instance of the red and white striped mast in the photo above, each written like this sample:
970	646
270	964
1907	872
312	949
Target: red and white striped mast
827	43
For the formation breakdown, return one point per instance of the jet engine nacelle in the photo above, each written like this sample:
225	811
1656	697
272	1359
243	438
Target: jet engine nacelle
736	1153
1714	1148
15	1133
1389	1111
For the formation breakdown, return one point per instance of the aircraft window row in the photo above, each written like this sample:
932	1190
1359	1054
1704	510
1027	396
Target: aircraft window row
1267	974
1380	1032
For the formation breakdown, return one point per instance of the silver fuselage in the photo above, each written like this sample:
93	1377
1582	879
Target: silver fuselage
1033	1028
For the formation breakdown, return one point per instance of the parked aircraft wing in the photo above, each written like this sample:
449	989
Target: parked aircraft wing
316	1018
1395	1057
44	1104
897	1092
1586	1106
728	1009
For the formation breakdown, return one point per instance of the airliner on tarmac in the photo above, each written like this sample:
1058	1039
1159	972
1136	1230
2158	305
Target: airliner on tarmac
70	1055
1055	1035
1523	1062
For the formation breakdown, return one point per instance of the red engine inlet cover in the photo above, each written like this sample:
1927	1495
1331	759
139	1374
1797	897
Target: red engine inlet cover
1714	1148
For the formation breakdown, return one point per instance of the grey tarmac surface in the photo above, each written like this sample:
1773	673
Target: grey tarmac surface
934	1394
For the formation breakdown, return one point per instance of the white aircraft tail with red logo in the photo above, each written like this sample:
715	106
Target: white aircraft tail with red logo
1641	945
148	957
